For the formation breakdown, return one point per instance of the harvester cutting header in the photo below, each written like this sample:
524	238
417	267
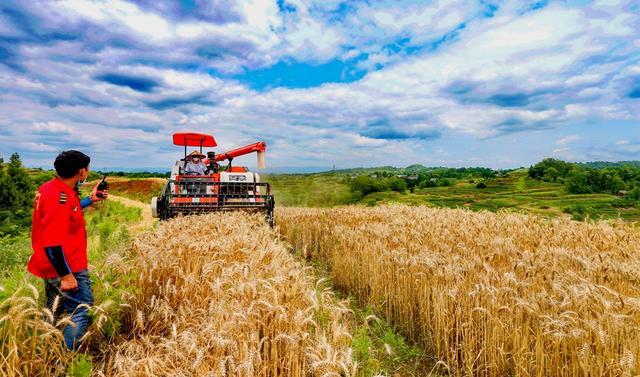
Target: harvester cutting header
198	184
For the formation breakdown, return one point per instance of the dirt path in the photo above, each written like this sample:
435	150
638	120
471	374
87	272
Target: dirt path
147	219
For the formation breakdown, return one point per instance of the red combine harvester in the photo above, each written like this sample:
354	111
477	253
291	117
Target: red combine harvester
227	188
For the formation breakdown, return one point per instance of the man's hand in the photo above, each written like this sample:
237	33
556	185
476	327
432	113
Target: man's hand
68	283
94	194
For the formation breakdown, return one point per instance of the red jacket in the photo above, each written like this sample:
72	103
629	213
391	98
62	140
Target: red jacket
57	221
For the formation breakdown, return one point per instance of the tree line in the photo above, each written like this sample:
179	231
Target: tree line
585	179
140	174
411	178
97	174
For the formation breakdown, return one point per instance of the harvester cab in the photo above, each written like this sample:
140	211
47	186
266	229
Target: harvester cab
226	188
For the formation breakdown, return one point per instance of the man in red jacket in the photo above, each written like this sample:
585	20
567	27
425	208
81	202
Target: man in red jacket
59	241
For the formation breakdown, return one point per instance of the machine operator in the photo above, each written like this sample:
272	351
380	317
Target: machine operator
195	165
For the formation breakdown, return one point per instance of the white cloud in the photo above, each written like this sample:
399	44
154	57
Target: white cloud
52	127
509	73
310	39
36	147
116	13
567	139
419	22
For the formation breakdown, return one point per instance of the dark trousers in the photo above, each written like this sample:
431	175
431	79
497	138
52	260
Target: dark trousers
76	304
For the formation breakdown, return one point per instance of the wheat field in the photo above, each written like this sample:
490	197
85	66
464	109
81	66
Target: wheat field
488	294
30	344
212	295
485	294
219	295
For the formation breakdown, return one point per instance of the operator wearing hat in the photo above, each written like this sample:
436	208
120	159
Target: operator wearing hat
59	241
195	165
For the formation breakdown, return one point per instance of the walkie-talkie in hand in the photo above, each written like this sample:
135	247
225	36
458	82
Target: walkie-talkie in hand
103	185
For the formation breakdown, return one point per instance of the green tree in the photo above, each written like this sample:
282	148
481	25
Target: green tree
616	184
8	192
577	182
364	184
397	184
551	174
16	196
21	181
536	171
539	170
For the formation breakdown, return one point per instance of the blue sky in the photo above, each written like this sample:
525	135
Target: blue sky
357	83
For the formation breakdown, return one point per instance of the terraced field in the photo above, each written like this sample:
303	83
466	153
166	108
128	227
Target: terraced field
515	192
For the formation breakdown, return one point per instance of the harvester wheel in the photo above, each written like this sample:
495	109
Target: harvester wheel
163	209
162	206
270	219
154	207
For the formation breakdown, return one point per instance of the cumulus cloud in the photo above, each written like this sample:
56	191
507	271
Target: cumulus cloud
118	77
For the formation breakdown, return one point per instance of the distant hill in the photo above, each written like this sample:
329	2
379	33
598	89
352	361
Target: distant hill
608	164
409	170
293	169
130	169
270	170
367	170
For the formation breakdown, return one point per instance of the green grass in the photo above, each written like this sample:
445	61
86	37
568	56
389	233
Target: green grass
109	223
517	193
81	366
15	254
309	190
514	192
380	349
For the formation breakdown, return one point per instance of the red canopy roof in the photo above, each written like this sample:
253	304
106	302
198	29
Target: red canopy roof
190	139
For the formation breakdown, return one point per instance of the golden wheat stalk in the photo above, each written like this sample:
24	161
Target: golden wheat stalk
219	295
489	294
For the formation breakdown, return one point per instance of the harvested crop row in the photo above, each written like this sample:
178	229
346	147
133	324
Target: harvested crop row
489	294
219	295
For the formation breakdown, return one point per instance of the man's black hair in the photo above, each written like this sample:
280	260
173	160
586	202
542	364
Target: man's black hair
68	163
